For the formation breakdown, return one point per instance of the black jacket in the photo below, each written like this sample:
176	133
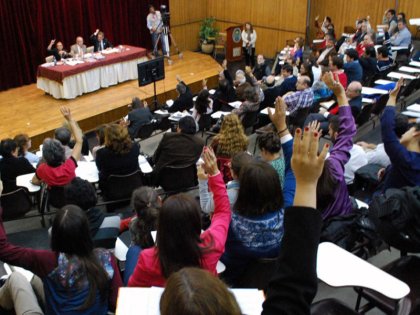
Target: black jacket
183	102
294	285
137	118
96	43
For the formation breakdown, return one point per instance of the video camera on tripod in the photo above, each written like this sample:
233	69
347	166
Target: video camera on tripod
166	15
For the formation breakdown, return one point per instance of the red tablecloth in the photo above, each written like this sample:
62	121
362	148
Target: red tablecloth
60	72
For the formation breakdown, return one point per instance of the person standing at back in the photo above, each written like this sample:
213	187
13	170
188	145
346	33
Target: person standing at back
154	24
249	37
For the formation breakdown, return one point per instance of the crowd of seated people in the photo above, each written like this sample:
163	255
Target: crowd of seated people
260	206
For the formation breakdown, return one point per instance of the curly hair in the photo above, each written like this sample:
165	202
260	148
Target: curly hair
231	138
117	139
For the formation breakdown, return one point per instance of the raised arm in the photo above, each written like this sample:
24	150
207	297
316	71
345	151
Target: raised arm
278	119
395	150
347	129
294	284
75	130
222	215
51	44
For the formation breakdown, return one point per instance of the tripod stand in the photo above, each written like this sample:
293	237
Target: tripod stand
166	33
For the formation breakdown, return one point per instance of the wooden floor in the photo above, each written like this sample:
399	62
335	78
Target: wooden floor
29	110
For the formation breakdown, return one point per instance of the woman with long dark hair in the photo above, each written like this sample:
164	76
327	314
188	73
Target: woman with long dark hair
249	37
77	278
203	105
180	242
257	219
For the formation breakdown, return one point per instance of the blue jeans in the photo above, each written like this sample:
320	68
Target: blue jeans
155	47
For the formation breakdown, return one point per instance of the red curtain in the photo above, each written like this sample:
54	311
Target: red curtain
27	26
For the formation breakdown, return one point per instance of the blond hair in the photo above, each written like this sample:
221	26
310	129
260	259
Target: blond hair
231	138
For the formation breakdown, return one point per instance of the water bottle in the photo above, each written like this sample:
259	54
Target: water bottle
55	61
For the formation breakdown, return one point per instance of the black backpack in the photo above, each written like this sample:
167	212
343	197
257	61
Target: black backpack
396	215
354	232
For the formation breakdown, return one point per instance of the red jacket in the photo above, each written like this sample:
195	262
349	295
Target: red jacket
148	270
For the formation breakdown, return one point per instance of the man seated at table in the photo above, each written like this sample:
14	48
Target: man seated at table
185	97
99	41
352	67
383	62
79	48
403	36
58	51
180	148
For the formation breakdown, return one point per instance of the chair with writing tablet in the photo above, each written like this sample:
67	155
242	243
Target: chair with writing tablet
339	268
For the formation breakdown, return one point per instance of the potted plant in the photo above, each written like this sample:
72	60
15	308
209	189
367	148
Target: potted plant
208	33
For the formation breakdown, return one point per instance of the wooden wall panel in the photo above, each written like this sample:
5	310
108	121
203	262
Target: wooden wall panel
274	20
344	13
185	21
412	10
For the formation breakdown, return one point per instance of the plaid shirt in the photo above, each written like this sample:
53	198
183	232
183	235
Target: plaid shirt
299	100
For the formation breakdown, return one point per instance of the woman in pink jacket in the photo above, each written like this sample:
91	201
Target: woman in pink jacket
180	242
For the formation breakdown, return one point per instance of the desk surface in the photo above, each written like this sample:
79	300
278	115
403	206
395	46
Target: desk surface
25	181
372	91
339	268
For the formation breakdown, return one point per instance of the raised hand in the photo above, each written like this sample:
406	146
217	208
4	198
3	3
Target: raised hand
333	83
65	111
210	161
201	174
204	83
52	42
395	91
178	78
278	118
224	64
314	126
307	166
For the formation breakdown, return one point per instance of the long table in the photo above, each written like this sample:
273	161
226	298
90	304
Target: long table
67	81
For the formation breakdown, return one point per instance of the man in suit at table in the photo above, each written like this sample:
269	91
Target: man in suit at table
99	41
79	48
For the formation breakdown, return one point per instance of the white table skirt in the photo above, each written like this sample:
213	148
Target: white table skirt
91	80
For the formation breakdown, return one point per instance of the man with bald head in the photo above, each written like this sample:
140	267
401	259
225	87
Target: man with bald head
79	48
354	97
302	98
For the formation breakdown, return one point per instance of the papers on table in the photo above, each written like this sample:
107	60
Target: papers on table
178	115
317	41
415	21
348	35
414	108
395	48
236	104
195	98
367	100
47	64
265	111
411	114
415	63
144	165
383	82
87	171
110	51
170	102
361	204
327	105
133	301
73	62
219	114
25	181
398	75
372	91
162	112
409	69
212	91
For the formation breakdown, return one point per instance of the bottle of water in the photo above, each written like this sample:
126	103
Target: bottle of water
55	61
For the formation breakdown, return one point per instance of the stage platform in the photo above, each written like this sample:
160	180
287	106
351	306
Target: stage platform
29	110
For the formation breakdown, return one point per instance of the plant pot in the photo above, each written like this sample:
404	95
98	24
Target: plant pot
207	48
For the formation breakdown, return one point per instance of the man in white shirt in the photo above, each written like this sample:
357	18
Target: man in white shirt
155	24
